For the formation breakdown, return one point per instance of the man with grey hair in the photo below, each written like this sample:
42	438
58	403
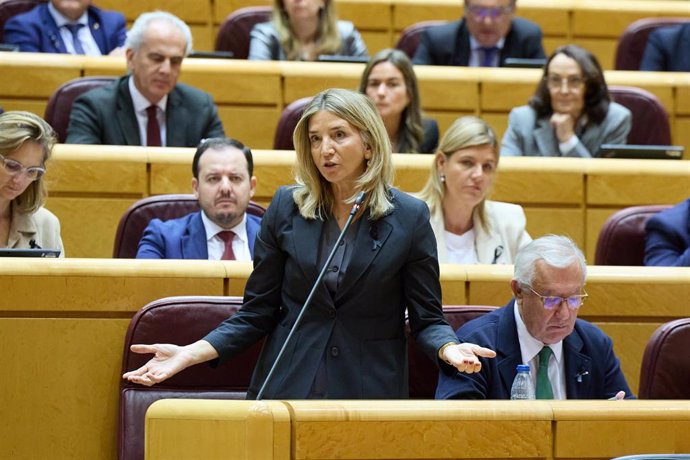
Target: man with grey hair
569	358
148	106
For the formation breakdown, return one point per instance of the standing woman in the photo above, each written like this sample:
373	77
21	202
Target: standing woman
390	82
571	113
469	228
26	142
301	30
351	342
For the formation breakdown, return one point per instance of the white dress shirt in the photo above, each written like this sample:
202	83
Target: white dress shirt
477	54
460	248
530	348
84	35
216	246
140	105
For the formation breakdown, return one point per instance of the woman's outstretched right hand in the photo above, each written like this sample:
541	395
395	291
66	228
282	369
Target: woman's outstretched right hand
168	360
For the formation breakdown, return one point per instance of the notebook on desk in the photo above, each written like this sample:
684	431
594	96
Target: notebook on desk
341	58
34	252
645	152
524	63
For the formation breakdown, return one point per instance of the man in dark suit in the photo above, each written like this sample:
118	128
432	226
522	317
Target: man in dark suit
67	26
223	183
487	35
569	357
668	237
668	49
148	106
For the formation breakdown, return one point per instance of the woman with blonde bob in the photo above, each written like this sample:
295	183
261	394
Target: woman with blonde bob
26	143
469	228
302	30
351	341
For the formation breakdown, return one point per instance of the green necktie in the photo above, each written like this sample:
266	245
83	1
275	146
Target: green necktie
544	390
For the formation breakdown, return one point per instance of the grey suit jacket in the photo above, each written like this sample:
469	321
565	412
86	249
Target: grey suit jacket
529	136
358	334
265	45
106	116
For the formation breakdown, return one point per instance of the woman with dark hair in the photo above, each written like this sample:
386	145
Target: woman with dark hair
26	143
302	30
351	344
571	113
390	82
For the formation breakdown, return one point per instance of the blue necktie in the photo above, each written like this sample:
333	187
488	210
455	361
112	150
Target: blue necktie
489	53
74	30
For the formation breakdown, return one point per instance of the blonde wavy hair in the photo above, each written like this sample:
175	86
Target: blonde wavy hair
16	128
314	194
327	34
465	132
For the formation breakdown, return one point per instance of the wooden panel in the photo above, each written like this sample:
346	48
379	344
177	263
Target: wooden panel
502	92
59	394
306	79
408	12
597	430
683	94
367	14
523	180
37	107
453	280
542	221
47	72
376	40
635	182
660	84
234	81
97	169
594	18
222	8
682	135
203	37
498	122
603	48
88	224
199	12
102	286
629	341
254	126
446	88
445	119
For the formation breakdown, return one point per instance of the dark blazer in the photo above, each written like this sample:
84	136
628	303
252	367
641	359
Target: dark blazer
668	49
449	44
592	370
184	238
359	334
36	30
106	116
668	237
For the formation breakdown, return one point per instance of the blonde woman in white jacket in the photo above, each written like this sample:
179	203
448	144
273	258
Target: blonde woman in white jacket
469	228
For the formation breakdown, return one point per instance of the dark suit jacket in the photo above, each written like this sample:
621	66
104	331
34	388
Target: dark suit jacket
106	116
359	334
184	238
586	350
449	44
668	237
668	49
36	30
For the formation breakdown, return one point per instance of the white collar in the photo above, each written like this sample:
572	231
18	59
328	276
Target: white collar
212	229
475	46
139	100
529	346
61	20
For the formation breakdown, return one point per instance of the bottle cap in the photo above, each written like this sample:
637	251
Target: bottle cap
523	368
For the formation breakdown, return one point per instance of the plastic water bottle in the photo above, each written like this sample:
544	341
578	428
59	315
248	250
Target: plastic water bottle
522	385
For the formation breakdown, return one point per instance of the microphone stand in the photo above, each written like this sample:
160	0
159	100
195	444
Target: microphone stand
355	207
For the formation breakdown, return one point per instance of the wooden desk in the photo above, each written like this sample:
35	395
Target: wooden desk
413	430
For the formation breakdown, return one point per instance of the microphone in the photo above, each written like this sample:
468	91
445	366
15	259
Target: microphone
359	199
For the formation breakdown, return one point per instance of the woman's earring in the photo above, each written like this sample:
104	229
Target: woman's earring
368	162
442	177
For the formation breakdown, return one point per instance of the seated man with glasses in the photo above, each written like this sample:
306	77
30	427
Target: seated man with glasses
569	358
487	35
571	113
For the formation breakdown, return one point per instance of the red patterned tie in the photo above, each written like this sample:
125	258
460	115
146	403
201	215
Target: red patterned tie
153	129
227	236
